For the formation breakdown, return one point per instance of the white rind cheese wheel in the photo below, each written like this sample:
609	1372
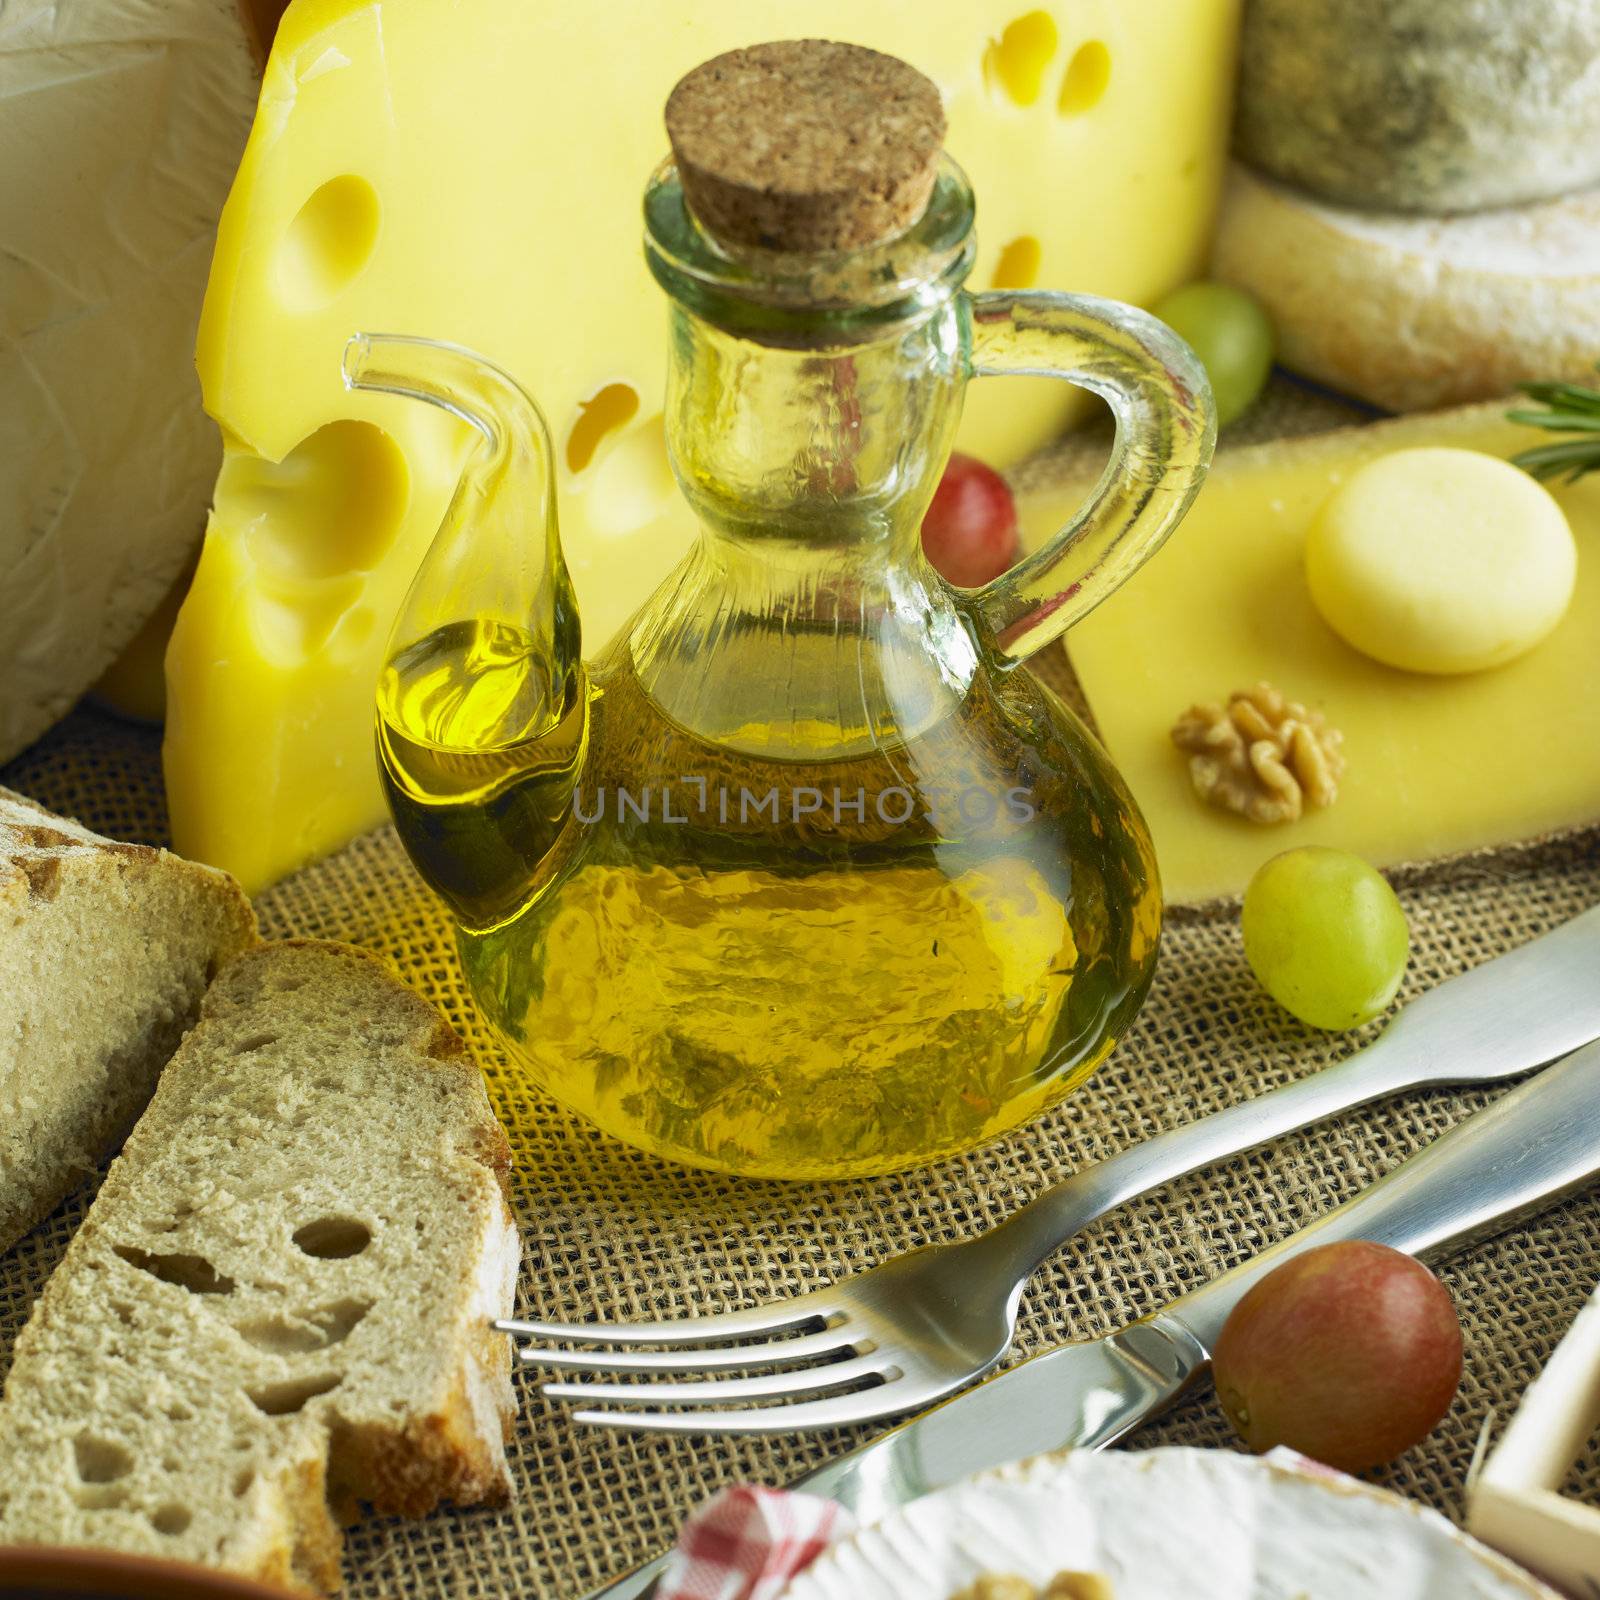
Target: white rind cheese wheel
1422	105
1439	560
1412	313
1160	1524
121	124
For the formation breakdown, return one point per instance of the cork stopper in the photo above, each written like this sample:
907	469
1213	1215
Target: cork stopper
806	145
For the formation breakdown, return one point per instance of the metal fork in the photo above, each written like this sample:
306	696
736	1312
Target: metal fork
924	1324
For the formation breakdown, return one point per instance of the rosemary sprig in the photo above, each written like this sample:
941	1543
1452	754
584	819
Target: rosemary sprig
1568	408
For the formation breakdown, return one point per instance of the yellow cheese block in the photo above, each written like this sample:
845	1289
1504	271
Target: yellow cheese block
473	171
1435	764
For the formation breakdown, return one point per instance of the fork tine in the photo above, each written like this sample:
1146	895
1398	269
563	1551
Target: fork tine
783	1352
722	1391
686	1330
838	1411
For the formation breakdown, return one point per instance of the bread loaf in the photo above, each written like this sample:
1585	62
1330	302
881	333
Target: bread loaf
279	1304
105	952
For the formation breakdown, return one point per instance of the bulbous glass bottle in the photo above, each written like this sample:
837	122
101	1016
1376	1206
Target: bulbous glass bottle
802	877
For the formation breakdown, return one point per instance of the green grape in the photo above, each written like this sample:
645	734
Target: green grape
1325	935
1231	334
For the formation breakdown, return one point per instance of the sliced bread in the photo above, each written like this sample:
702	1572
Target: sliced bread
105	951
278	1306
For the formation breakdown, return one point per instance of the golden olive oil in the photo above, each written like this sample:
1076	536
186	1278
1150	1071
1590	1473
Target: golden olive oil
779	967
479	743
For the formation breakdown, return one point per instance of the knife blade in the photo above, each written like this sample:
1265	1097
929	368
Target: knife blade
1531	1147
1533	1003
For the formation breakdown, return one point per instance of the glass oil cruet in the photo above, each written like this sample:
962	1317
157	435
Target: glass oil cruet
801	877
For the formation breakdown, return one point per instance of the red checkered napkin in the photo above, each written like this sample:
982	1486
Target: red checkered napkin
746	1543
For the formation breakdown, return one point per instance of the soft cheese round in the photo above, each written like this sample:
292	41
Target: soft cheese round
1440	560
121	129
1413	313
1422	105
1156	1524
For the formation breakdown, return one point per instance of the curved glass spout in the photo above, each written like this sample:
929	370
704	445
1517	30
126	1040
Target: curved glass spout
482	715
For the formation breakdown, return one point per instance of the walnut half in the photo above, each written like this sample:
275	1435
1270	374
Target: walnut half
1263	756
1064	1586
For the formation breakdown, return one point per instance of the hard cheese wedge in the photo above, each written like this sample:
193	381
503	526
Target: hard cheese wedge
1435	764
473	172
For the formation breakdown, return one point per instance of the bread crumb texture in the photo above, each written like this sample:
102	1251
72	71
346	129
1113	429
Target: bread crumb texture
277	1310
105	952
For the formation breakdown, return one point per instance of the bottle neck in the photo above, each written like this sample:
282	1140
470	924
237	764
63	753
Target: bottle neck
813	457
811	404
807	618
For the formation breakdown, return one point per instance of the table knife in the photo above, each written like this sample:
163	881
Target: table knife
1535	1144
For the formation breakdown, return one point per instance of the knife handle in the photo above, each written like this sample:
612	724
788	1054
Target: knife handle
1533	1145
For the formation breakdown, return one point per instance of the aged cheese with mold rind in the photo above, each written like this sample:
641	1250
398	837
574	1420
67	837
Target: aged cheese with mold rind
1160	1524
473	171
121	123
1412	313
1434	765
1422	105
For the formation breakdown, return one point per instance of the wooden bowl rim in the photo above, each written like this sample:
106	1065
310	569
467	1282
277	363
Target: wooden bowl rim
29	1570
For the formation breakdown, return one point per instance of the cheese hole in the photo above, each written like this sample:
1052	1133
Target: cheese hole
291	629
332	505
1018	266
1018	58
606	410
1085	80
329	242
633	483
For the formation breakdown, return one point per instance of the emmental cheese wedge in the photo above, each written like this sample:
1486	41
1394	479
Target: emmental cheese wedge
1434	764
473	171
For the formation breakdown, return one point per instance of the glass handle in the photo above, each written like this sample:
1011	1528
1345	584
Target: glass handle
1166	430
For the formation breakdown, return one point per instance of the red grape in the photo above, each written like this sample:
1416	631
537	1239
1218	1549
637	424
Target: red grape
1349	1353
970	530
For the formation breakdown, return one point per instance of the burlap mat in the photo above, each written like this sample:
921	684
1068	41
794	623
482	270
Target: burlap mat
611	1232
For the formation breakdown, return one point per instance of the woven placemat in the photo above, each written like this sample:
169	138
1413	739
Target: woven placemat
611	1232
